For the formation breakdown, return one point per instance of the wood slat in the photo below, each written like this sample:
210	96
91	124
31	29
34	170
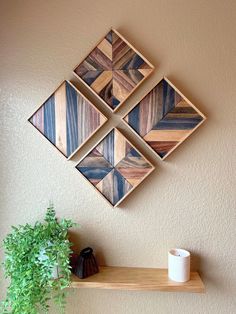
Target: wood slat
166	135
67	119
164	118
129	278
60	118
126	66
106	48
126	167
101	81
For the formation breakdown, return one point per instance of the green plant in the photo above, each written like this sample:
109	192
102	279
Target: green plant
32	253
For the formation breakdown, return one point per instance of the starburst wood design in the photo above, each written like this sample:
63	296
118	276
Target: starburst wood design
164	118
67	119
115	167
113	70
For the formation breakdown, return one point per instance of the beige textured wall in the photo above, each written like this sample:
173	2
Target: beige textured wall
189	201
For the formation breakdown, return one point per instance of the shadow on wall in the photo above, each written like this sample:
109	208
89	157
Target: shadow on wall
74	238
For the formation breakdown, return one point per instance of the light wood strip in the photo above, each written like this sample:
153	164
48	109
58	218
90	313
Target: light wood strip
133	176
106	186
146	279
133	181
106	48
145	72
101	81
166	135
119	91
119	147
185	98
182	103
60	118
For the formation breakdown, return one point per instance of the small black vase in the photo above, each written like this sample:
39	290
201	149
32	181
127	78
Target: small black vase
87	264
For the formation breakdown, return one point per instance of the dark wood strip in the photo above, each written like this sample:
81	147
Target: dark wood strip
162	148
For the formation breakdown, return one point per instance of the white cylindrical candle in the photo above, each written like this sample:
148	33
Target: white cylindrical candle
179	265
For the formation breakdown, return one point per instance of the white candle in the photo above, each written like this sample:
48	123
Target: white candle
179	265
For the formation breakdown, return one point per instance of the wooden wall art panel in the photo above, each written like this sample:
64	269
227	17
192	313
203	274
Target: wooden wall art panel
164	118
113	70
115	167
67	119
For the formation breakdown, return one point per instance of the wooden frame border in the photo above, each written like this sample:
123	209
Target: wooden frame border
134	187
132	47
82	95
185	98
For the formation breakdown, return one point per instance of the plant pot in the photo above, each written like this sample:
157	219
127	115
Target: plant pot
55	272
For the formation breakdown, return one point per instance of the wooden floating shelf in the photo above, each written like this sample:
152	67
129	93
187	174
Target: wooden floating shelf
129	278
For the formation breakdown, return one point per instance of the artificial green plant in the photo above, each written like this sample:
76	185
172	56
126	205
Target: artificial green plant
32	253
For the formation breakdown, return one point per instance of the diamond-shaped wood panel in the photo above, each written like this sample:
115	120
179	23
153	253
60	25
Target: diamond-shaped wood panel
114	69
164	118
115	167
67	119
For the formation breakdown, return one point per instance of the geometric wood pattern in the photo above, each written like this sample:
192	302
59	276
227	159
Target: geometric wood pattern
67	119
113	70
164	118
115	167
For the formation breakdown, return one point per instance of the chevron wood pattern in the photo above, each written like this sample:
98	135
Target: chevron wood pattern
164	118
113	70
67	119
115	167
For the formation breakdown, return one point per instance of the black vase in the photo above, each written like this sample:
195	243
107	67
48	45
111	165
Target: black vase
74	258
87	264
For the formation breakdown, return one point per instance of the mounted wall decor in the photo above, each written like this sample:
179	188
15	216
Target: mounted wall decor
164	118
113	70
115	167
67	119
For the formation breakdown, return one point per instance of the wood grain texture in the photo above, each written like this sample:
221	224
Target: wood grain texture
67	119
114	186
106	47
166	135
164	118
133	168
114	167
143	279
60	116
113	70
102	81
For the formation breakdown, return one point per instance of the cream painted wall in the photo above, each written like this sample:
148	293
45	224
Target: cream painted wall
189	201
